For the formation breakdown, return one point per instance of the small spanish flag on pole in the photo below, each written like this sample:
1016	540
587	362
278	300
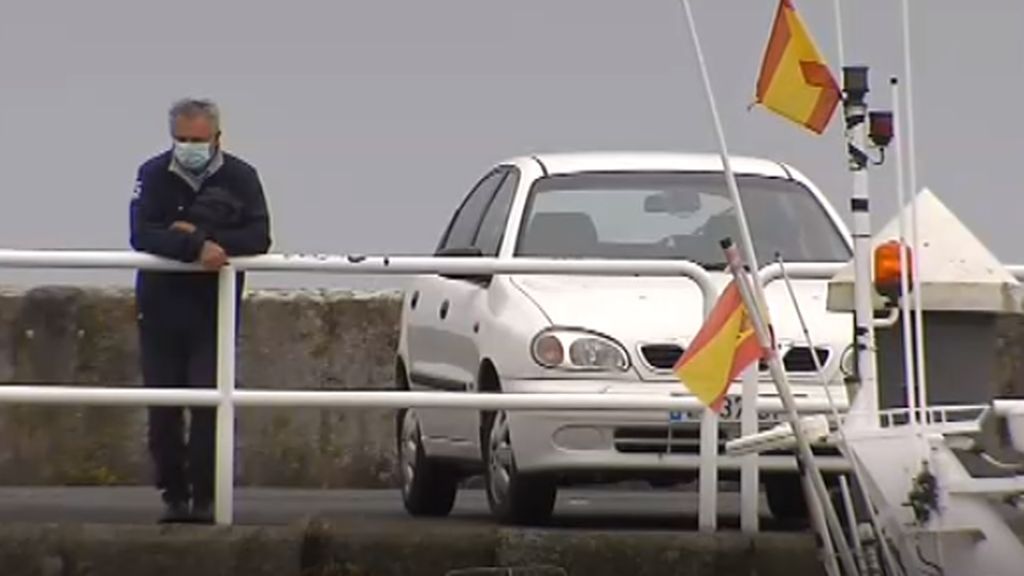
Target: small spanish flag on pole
795	82
723	348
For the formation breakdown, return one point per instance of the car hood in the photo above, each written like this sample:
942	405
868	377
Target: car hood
648	310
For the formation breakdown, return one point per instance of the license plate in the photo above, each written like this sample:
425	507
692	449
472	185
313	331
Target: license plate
732	411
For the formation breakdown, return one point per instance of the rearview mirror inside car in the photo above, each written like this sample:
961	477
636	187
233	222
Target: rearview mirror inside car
673	202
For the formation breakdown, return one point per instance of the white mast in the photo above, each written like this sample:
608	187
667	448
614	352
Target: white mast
904	302
922	386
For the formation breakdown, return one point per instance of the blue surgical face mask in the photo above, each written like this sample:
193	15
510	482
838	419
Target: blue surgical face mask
194	156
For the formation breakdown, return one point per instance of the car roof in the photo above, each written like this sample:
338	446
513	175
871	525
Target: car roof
572	162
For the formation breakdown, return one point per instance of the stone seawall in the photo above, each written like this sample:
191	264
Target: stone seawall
362	547
326	340
288	339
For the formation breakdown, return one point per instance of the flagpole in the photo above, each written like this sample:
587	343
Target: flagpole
839	33
818	502
841	58
804	456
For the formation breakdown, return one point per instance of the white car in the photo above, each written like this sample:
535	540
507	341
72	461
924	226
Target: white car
586	334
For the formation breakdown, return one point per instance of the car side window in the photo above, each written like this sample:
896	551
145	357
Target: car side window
492	228
464	225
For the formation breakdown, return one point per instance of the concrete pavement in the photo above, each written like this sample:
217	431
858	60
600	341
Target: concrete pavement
577	508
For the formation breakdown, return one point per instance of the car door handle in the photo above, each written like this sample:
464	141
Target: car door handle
444	310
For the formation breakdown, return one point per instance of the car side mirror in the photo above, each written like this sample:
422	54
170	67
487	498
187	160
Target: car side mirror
465	252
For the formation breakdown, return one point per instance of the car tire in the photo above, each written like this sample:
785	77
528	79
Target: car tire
428	487
788	503
514	498
786	499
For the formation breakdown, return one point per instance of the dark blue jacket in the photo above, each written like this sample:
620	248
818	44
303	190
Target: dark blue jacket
228	208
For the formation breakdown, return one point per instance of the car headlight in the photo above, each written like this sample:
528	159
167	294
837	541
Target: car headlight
575	349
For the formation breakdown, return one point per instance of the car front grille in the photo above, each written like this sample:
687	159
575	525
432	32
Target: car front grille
661	356
796	359
799	359
658	440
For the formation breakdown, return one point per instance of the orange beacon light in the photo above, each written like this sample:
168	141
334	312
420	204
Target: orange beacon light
887	268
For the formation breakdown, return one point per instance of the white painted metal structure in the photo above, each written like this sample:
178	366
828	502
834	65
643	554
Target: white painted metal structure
225	397
962	522
952	510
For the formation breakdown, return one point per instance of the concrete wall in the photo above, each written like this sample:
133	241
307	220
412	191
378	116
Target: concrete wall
66	335
331	340
364	547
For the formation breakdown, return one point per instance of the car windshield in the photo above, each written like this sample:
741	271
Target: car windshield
674	215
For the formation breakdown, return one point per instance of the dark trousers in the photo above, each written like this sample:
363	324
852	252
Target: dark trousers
181	351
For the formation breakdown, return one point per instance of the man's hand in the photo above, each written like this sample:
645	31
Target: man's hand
186	227
212	256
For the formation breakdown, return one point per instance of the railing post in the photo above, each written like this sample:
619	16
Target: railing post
707	518
749	476
224	475
707	487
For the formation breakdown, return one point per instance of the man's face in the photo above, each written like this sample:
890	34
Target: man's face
196	128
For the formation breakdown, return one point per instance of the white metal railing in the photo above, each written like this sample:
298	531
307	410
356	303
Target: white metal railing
225	397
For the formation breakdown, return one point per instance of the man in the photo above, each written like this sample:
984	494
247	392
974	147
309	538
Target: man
192	203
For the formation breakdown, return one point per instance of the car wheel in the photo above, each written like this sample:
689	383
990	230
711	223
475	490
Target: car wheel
788	503
428	487
514	498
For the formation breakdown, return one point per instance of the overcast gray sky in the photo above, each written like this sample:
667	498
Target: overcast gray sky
369	120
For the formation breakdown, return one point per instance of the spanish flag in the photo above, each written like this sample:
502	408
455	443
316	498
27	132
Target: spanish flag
723	348
795	82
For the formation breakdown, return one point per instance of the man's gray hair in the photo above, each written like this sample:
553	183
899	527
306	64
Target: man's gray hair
191	107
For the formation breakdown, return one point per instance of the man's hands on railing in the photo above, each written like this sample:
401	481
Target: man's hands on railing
212	256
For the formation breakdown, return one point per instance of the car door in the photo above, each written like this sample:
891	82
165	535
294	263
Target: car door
438	352
470	305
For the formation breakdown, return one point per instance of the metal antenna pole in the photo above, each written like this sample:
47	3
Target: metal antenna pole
907	318
922	384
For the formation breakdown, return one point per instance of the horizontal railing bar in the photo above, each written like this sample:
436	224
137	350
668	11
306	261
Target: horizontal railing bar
801	271
373	265
97	259
492	401
98	396
354	264
375	399
778	462
457	265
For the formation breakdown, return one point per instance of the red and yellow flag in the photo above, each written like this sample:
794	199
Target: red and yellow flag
723	348
795	82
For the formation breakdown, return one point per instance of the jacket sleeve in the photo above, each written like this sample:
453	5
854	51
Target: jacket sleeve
150	231
252	237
